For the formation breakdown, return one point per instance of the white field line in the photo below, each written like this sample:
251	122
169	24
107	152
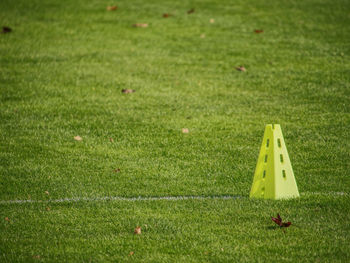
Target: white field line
118	198
153	198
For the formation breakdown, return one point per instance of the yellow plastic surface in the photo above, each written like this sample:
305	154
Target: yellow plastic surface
273	177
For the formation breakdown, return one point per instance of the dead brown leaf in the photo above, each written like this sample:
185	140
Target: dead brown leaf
111	140
7	219
212	20
36	256
47	192
131	253
112	8
127	91
258	31
241	68
140	25
48	208
202	35
6	29
117	170
137	230
78	138
166	15
190	11
185	130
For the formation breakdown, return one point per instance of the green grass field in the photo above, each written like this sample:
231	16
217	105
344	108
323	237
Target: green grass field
62	69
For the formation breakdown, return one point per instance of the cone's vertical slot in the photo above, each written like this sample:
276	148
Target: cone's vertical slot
266	158
264	173
267	143
284	174
281	158
279	143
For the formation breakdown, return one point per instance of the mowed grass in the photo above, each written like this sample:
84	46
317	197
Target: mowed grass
62	69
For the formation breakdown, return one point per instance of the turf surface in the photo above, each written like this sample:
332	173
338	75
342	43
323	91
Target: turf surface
62	69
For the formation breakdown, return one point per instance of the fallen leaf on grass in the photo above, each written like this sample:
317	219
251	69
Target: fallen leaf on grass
212	20
166	15
241	68
6	29
111	140
7	219
117	170
137	230
78	138
190	11
47	192
202	35
258	31
36	256
112	8
131	253
126	91
185	130
140	25
48	208
278	221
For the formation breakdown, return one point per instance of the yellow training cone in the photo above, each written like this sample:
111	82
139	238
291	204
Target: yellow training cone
274	177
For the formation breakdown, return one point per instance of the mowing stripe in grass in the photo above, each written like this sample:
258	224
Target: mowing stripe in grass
150	198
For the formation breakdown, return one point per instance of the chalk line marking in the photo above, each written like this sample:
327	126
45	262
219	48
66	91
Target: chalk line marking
120	198
154	198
